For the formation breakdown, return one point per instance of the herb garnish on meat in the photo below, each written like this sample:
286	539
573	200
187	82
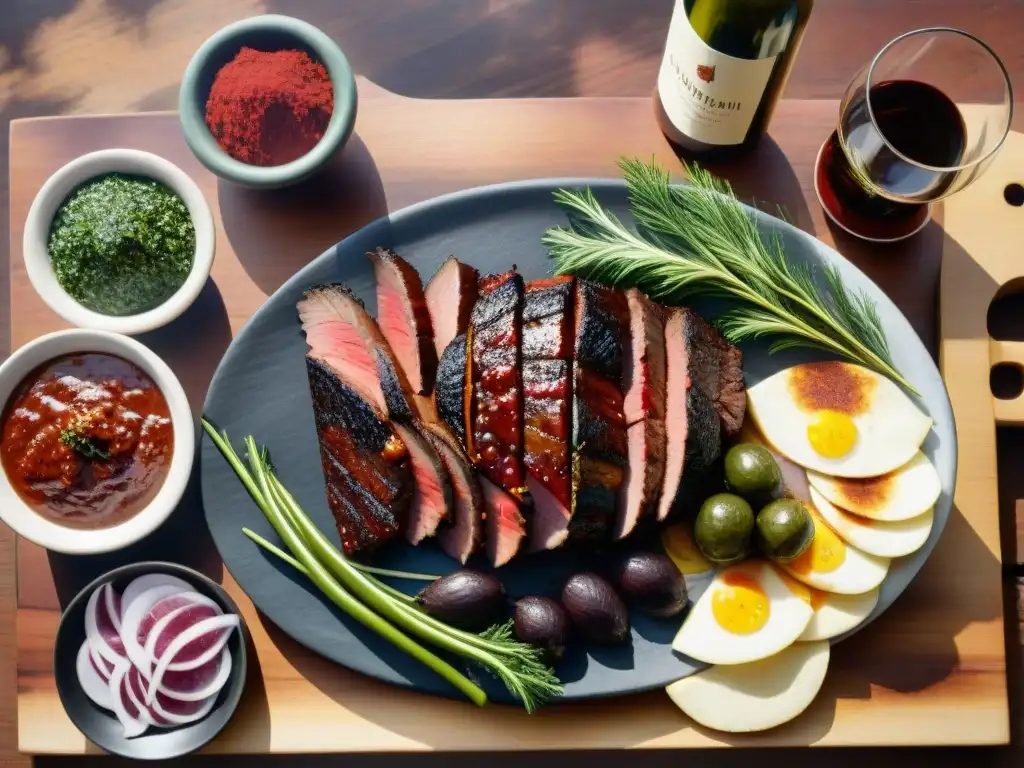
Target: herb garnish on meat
696	240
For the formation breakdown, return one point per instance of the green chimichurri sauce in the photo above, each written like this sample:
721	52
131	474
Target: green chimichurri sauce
122	244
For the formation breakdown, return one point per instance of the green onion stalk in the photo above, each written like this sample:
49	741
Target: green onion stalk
391	613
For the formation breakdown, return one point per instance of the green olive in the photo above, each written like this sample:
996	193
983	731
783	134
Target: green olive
724	528
784	529
752	472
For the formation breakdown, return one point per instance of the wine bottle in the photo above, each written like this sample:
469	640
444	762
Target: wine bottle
724	68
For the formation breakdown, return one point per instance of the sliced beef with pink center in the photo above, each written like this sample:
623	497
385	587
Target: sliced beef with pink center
450	296
404	318
693	427
644	410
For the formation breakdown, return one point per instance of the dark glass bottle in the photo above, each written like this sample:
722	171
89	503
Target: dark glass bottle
724	68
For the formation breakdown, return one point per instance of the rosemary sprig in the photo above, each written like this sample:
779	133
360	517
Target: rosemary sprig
697	240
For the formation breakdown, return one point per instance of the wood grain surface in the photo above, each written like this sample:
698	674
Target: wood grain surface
87	56
931	671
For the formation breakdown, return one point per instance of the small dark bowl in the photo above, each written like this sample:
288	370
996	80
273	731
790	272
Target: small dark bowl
100	726
265	33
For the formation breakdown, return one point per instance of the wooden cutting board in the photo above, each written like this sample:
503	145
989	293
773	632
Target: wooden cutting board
931	671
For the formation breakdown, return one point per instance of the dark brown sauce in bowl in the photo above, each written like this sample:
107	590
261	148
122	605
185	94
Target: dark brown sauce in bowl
87	440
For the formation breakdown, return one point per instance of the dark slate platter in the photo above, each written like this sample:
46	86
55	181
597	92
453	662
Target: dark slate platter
260	389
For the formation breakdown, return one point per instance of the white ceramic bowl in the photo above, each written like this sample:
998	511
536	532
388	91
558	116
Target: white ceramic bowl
74	541
56	190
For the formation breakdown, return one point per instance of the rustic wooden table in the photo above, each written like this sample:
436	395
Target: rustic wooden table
90	56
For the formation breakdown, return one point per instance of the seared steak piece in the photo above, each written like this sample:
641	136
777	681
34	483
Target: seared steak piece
506	527
547	404
334	322
463	533
404	319
693	426
718	371
496	442
599	424
450	295
366	465
644	407
450	391
547	319
547	395
432	499
340	332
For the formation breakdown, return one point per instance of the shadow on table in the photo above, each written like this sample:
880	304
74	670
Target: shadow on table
767	175
275	233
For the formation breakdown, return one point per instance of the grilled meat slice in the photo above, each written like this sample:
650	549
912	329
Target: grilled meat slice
547	388
718	372
496	442
404	319
547	404
645	472
341	333
644	410
506	527
599	424
366	465
334	322
450	296
432	499
463	533
450	389
644	366
693	427
547	319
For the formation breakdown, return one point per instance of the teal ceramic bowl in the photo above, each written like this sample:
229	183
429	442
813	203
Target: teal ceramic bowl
265	33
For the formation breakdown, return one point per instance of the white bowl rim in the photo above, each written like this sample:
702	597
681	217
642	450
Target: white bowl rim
35	243
76	541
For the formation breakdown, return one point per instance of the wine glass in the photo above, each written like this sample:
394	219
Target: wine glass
921	121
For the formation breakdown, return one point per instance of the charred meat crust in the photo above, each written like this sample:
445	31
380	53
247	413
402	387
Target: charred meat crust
450	388
496	443
599	425
368	476
547	384
717	371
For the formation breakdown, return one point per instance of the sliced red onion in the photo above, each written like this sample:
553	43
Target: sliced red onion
135	690
144	583
128	714
112	601
131	618
94	686
181	712
169	616
100	664
100	632
172	625
199	683
207	635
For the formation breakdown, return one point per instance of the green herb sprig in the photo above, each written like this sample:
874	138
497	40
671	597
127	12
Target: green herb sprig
697	240
83	445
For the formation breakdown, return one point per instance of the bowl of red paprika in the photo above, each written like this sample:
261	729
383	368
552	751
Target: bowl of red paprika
266	102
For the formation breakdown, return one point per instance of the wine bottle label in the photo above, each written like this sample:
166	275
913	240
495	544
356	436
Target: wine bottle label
709	96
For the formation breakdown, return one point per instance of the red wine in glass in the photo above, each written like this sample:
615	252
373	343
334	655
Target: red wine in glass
915	163
903	142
